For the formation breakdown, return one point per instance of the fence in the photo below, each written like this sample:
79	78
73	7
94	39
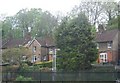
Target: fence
63	76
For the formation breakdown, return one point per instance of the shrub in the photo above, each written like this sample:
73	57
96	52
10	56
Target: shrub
28	63
22	78
44	64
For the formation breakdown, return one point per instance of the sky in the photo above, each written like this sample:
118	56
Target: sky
11	7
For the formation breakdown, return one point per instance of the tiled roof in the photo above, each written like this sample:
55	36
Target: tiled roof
22	41
13	42
48	41
106	36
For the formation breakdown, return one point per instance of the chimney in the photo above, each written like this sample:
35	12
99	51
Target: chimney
101	28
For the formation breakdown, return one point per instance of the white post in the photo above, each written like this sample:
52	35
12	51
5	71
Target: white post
54	61
54	64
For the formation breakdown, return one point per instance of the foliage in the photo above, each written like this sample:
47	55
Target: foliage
113	23
97	12
28	63
75	40
22	78
110	9
6	27
44	64
14	55
36	67
42	23
103	69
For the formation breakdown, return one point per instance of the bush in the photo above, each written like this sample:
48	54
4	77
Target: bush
44	64
28	62
103	69
22	78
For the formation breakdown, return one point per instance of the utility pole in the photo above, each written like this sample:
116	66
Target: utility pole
54	64
118	32
54	61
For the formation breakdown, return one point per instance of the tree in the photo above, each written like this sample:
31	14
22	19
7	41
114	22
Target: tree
97	12
92	10
41	23
112	24
110	9
6	27
75	40
15	55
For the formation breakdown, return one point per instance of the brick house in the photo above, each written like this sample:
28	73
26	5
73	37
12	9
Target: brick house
39	47
108	45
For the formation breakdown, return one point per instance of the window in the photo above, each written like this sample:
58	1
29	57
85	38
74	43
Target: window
50	51
97	46
24	58
34	58
45	58
103	57
109	45
34	49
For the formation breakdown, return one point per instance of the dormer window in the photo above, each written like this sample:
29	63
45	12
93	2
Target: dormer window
109	44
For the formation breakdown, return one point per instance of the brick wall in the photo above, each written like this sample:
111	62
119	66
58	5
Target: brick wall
38	49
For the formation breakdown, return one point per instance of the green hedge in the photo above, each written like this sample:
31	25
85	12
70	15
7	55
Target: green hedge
22	78
45	64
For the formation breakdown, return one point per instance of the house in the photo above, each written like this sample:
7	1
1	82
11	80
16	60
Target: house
108	45
39	47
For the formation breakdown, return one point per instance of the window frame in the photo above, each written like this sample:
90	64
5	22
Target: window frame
109	45
97	45
34	48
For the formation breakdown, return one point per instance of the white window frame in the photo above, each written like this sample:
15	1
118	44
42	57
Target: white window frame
103	58
34	48
33	58
24	58
97	46
50	51
109	45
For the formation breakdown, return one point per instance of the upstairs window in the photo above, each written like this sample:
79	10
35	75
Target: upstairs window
34	49
109	45
24	58
97	46
50	51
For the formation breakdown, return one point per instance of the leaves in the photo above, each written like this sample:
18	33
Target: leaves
42	23
75	40
14	55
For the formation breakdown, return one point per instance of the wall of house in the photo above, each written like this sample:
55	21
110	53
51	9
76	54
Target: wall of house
109	56
44	52
38	49
115	43
103	46
112	53
115	48
119	44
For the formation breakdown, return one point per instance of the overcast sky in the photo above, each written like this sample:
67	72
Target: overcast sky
11	7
